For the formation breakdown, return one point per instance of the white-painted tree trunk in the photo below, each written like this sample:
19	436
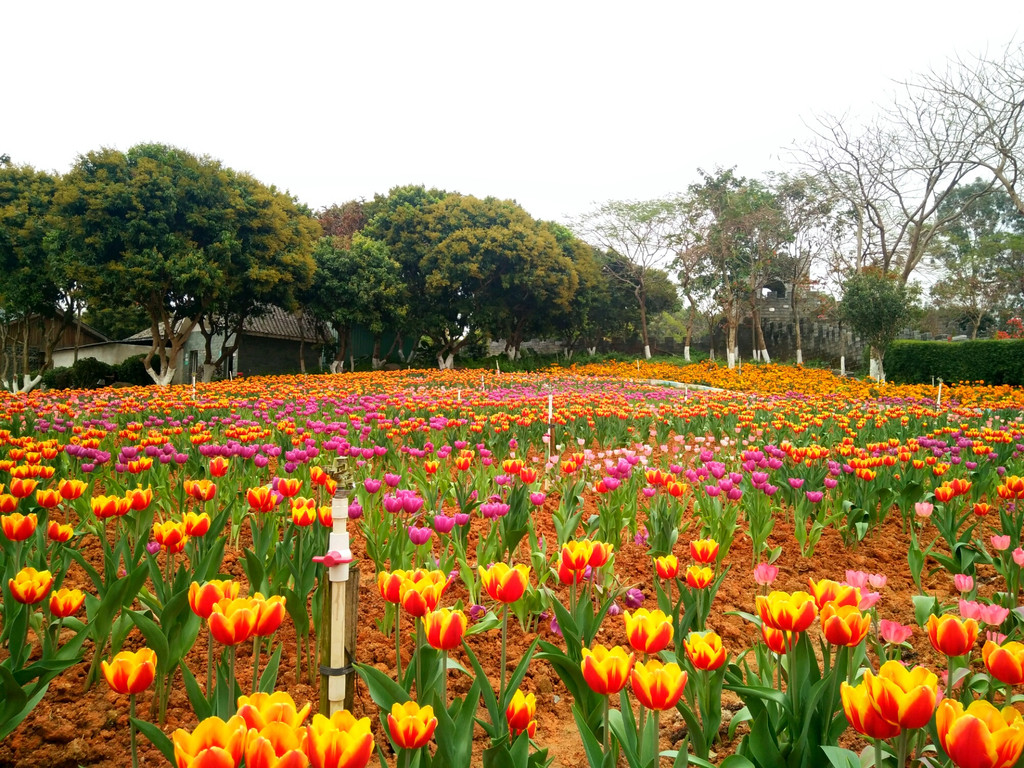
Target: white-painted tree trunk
591	351
765	356
445	363
162	379
647	351
730	357
842	365
28	383
337	366
876	371
799	357
376	362
208	370
686	353
757	354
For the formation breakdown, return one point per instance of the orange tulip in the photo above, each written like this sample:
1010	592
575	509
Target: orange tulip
504	584
219	466
576	554
325	516
270	613
699	576
667	566
648	631
59	532
30	586
130	671
289	486
778	640
66	602
203	597
232	621
430	466
904	697
606	671
657	686
303	511
569	576
705	650
828	591
105	507
844	624
8	503
260	499
23	487
196	525
862	715
528	475
600	554
421	591
48	498
201	490
789	612
1004	662
213	744
170	535
139	498
390	585
980	736
71	489
276	745
340	741
520	714
950	635
445	628
704	551
411	725
261	709
18	527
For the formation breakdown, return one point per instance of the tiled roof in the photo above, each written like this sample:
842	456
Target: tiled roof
275	323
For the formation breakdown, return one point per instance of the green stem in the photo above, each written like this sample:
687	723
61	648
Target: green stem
256	663
131	731
209	663
444	678
605	730
504	651
420	693
398	642
902	742
878	753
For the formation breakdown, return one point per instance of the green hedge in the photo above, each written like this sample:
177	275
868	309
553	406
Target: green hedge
994	361
89	373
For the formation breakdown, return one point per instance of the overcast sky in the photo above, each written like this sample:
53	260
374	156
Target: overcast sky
557	105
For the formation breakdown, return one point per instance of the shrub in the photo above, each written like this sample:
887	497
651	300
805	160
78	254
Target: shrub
87	373
132	371
994	361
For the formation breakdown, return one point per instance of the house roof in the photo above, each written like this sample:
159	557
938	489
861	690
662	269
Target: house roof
274	323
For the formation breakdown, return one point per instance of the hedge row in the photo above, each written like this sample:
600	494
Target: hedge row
994	361
89	372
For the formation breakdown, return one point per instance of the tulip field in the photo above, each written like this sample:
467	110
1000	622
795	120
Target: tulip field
605	565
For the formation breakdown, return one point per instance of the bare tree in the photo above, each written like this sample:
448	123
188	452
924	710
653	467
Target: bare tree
981	98
894	175
639	232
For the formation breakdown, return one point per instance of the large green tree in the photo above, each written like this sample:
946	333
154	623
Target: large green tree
35	288
981	256
356	285
177	235
877	305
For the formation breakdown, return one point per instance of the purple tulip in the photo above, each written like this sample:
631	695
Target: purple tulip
419	536
634	598
371	484
444	523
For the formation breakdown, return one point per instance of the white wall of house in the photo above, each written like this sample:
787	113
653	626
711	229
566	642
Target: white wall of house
112	353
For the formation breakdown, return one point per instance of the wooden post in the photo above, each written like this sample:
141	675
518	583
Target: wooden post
938	400
335	651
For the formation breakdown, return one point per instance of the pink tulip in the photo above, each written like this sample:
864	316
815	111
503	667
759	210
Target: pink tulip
765	573
1018	556
858	579
894	632
1000	543
963	582
923	509
877	580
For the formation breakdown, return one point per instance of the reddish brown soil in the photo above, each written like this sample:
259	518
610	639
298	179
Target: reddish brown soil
72	727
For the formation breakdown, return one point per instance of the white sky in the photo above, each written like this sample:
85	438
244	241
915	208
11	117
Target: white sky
557	105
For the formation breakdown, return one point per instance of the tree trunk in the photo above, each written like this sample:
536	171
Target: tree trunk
730	345
690	320
375	361
876	370
445	362
208	370
799	340
641	298
759	338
